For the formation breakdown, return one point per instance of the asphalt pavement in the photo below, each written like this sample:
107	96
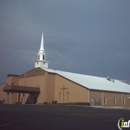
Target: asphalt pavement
50	117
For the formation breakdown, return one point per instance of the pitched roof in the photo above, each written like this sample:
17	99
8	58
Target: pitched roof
93	82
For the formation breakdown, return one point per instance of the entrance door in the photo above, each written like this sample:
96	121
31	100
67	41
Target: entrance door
92	102
95	102
32	99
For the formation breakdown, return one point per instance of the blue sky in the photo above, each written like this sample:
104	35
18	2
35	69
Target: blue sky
82	36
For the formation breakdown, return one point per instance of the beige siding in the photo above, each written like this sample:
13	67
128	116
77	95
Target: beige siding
76	93
110	98
37	81
32	73
3	95
10	98
34	78
95	94
127	100
50	87
12	79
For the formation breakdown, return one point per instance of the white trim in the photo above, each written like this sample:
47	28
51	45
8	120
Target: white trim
123	101
102	99
105	100
115	100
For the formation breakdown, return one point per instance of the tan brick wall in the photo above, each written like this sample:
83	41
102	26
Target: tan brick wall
14	98
95	94
2	93
32	73
37	81
50	87
10	98
110	98
127	100
76	92
34	78
12	79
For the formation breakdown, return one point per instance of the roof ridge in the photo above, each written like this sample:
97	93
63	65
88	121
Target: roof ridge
75	73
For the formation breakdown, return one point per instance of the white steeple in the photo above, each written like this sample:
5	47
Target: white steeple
42	43
41	59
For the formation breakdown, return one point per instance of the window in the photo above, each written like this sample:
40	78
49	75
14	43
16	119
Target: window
114	100
105	100
123	101
43	57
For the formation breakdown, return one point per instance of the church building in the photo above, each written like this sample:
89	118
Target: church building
42	85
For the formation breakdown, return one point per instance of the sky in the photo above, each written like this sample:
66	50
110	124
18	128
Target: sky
90	37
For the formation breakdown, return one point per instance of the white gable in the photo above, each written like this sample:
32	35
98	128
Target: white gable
93	82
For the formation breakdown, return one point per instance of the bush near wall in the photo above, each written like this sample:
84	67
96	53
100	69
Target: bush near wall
45	103
1	101
18	103
75	103
54	102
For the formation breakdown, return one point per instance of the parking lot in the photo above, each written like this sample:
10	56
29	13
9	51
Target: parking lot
50	117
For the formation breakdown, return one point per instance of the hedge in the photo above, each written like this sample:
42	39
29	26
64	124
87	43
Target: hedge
75	103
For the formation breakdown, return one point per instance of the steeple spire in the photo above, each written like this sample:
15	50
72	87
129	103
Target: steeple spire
42	42
41	59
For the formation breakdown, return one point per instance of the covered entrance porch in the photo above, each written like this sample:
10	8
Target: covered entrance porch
16	94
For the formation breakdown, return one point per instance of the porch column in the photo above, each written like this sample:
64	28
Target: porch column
7	98
19	97
11	97
23	102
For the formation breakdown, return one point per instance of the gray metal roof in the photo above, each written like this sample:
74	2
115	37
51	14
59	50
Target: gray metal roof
93	82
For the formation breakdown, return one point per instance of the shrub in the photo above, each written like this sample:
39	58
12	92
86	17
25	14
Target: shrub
75	103
18	103
45	103
1	102
54	102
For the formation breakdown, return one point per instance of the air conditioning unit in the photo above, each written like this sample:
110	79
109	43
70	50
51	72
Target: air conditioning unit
108	78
